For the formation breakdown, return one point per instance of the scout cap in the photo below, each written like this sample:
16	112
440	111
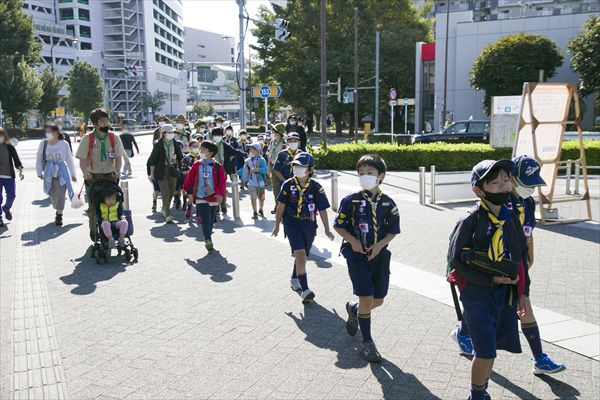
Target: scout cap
280	128
180	117
167	128
304	160
484	167
527	172
163	117
199	122
291	116
219	119
256	146
293	135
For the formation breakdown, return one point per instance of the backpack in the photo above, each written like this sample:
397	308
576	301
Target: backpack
386	206
44	154
111	137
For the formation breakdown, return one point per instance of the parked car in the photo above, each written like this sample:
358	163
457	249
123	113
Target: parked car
469	131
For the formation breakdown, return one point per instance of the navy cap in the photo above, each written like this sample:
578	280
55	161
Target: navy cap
304	159
483	168
293	135
527	172
256	146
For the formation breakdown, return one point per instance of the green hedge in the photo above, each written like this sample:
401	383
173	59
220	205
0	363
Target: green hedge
33	133
255	129
445	156
385	138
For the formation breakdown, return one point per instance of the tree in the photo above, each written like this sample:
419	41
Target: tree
85	88
203	108
503	67
50	85
153	101
295	65
19	83
585	48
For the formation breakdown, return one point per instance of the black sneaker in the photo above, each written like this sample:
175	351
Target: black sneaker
255	215
274	211
7	214
224	210
177	203
261	213
2	224
352	322
58	219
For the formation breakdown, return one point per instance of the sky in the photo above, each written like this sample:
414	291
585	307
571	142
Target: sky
220	16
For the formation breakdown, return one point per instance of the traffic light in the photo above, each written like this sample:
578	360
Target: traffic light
348	97
281	29
131	70
128	70
134	70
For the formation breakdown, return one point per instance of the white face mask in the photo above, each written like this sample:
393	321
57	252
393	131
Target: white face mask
272	136
219	125
229	133
179	126
524	192
292	122
49	135
161	123
243	136
194	150
368	182
299	171
170	136
293	145
203	156
217	138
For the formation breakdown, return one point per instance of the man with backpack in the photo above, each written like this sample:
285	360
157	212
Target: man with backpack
100	155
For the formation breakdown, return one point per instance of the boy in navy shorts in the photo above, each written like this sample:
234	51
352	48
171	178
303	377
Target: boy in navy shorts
298	203
490	303
367	221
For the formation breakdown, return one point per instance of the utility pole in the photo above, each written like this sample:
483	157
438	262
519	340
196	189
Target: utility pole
446	66
242	72
377	37
356	74
323	74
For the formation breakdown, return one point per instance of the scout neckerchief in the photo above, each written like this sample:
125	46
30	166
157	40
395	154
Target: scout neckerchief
520	210
205	165
373	204
168	147
302	190
274	148
220	151
496	249
102	141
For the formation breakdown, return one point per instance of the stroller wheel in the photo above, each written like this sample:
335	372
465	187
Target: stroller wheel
92	251
97	257
106	255
135	254
127	255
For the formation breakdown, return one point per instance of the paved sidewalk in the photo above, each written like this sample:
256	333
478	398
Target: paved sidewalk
182	323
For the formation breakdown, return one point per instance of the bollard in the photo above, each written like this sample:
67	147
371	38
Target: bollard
577	168
569	166
422	185
334	190
432	198
235	196
125	189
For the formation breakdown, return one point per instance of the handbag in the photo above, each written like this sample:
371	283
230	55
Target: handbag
173	171
479	260
78	201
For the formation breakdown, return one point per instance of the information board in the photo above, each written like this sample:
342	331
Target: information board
505	120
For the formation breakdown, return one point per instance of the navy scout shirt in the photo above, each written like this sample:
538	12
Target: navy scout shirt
313	199
284	161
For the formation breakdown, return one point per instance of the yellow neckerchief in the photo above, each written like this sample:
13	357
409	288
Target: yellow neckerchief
292	153
373	210
243	141
496	249
302	190
520	210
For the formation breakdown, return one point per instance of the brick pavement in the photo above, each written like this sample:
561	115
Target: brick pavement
184	324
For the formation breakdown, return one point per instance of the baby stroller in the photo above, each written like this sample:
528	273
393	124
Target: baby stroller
100	250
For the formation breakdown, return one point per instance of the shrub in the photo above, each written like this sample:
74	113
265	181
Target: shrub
255	129
445	156
31	133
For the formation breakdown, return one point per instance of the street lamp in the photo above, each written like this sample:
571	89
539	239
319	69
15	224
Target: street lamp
75	40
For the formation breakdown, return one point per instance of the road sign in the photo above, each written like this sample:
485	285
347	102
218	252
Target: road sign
393	94
393	103
265	91
84	53
408	102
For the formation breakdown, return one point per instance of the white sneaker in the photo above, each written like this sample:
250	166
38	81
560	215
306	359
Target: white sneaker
111	243
295	284
307	296
170	219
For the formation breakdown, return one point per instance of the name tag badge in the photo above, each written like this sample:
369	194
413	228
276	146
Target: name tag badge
95	144
310	196
206	175
311	207
111	154
364	227
174	156
528	230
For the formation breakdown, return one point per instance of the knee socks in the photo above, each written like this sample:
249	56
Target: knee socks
477	392
294	272
364	322
532	334
303	281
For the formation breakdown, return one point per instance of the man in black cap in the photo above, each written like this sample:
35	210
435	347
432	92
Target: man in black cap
302	132
291	124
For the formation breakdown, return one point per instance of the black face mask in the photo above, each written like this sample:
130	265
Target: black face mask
104	129
497	199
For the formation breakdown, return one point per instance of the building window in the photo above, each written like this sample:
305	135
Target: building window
66	14
85	31
85	46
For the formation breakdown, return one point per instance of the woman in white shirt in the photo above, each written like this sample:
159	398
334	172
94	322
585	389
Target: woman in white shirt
56	168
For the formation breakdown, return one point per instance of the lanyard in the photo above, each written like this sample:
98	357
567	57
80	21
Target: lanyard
203	171
373	211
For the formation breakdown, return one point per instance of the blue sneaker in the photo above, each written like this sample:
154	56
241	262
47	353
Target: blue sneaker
464	342
546	366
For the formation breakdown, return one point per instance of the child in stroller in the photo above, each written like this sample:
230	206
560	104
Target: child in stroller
112	222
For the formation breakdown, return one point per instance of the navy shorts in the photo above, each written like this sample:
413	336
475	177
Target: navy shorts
155	185
370	278
301	235
492	322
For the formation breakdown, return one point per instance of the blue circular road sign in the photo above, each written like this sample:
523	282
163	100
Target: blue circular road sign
265	92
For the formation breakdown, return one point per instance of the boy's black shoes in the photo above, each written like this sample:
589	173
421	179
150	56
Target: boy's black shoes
255	215
352	322
2	224
369	352
58	219
7	214
261	213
